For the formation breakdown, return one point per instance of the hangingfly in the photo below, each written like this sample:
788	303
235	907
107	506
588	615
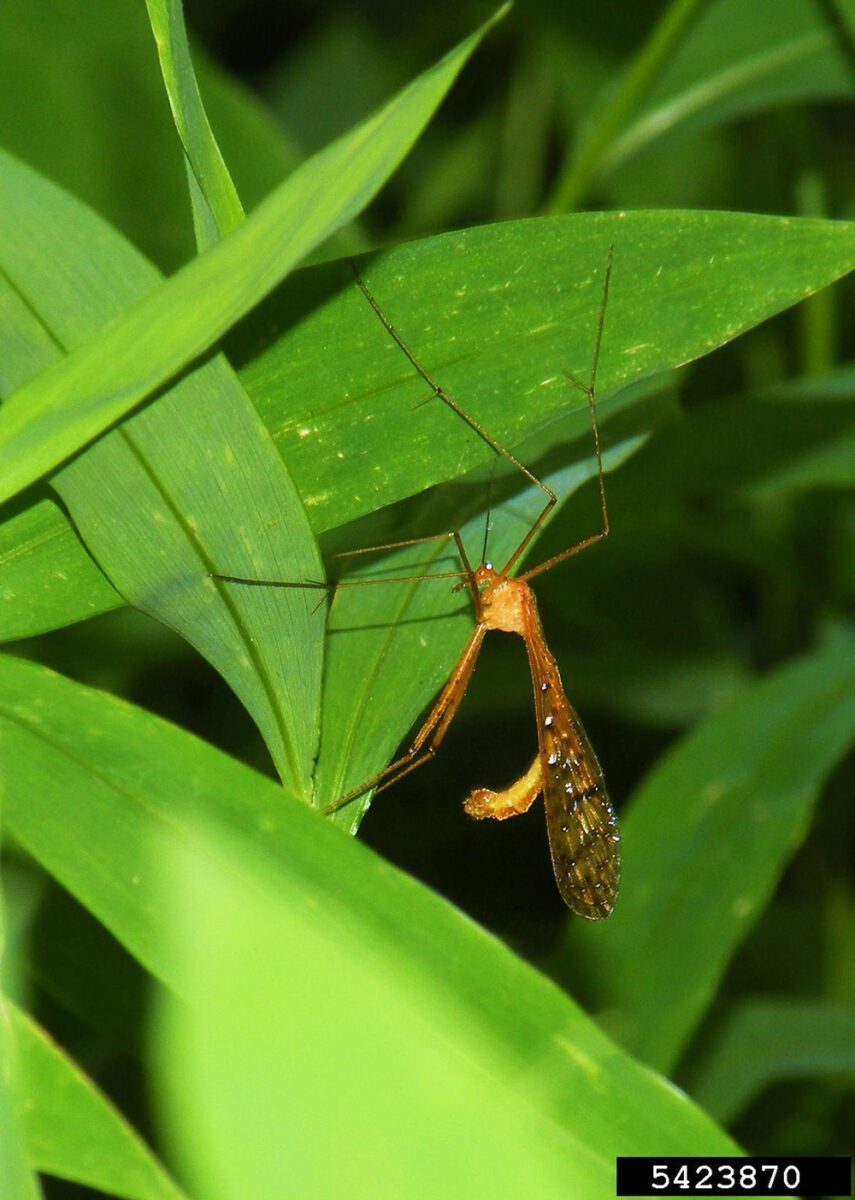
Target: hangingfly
580	820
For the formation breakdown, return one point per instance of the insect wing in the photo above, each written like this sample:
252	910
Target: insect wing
580	820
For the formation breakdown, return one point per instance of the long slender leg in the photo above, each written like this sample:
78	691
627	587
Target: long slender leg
440	392
465	574
594	537
588	389
433	728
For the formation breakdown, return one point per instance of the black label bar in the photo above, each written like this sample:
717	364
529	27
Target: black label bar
735	1177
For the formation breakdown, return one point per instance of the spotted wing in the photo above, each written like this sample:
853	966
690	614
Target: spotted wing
580	820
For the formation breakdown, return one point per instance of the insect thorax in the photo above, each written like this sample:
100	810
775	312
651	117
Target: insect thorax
504	604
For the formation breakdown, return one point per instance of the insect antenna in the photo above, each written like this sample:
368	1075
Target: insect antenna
488	521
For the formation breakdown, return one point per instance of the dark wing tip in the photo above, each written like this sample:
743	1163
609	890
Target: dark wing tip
592	900
584	843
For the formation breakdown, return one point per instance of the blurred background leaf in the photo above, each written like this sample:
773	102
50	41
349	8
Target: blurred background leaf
725	61
766	1041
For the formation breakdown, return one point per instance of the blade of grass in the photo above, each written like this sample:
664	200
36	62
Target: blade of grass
215	200
738	60
75	399
705	841
72	1131
637	81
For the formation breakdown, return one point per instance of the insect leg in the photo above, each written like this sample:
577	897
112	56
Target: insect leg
432	730
589	390
465	574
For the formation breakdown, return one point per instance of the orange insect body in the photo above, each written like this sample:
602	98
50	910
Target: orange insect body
580	820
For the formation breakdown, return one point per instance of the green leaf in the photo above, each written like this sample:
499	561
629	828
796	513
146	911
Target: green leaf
72	1131
705	841
218	196
75	399
178	487
764	1041
94	780
376	1047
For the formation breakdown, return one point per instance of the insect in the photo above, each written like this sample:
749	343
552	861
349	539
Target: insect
580	820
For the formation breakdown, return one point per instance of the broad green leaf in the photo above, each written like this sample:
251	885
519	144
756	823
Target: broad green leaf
334	390
92	779
218	202
177	488
764	1041
71	1129
75	399
374	1051
705	841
